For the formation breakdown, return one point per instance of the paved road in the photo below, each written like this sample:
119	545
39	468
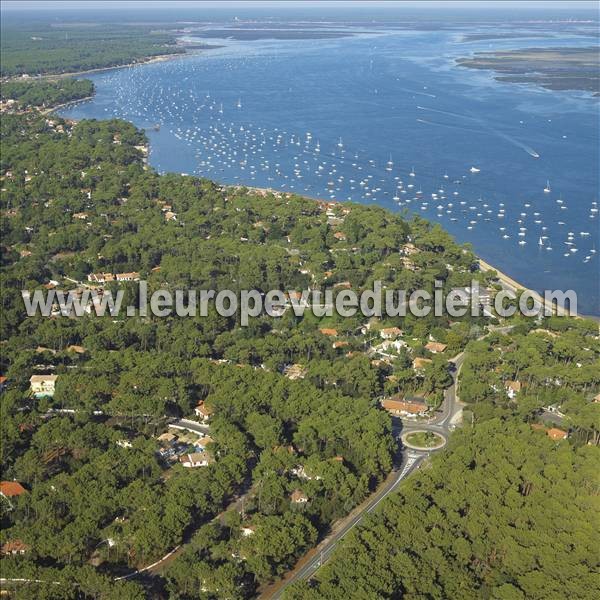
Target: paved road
441	423
194	426
236	504
323	552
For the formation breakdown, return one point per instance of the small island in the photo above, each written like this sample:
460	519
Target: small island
550	68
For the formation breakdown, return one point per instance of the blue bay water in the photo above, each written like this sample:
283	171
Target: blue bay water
351	118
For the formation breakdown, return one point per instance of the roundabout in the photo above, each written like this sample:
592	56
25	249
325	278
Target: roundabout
423	440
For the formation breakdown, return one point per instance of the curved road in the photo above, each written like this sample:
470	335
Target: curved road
441	423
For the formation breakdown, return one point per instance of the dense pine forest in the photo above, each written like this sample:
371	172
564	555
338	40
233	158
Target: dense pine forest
508	510
22	95
41	47
297	435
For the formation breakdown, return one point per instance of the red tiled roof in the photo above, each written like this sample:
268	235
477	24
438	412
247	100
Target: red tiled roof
435	347
556	434
326	331
11	488
14	547
404	406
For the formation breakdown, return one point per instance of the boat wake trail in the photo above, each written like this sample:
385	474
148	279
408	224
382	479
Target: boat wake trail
451	126
516	143
417	93
450	114
484	125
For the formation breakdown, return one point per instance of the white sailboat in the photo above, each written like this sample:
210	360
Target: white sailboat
547	189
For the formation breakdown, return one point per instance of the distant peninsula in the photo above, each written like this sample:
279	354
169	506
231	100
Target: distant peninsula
550	68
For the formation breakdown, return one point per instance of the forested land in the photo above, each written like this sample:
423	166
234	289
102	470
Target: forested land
79	198
35	47
45	94
509	510
479	521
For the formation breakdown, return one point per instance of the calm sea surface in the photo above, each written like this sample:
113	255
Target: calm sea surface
386	119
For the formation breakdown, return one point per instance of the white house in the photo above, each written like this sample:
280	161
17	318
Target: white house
512	388
203	412
196	459
42	385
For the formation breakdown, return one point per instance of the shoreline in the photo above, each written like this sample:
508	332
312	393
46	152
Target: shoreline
187	51
506	280
50	110
142	61
514	285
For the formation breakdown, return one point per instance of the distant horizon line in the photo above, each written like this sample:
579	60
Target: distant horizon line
317	5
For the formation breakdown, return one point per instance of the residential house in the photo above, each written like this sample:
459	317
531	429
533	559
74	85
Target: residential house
203	442
409	249
388	345
390	333
196	459
42	349
300	472
512	388
555	409
13	547
133	276
76	349
11	489
100	277
247	530
295	371
405	407
339	344
435	347
203	412
329	332
42	385
167	437
557	434
299	497
420	363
